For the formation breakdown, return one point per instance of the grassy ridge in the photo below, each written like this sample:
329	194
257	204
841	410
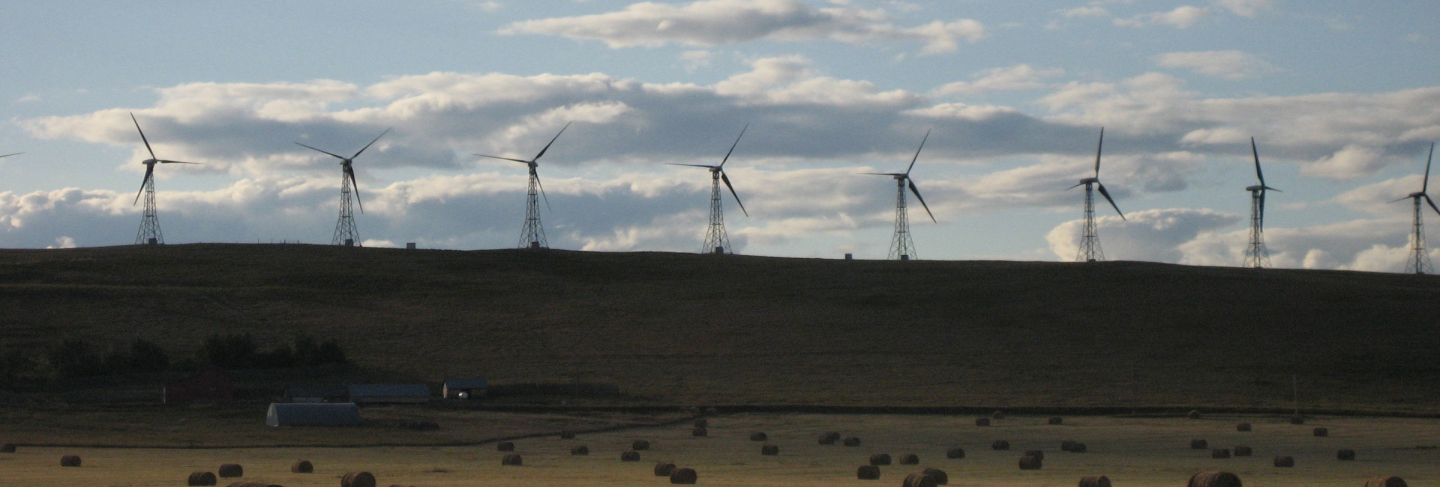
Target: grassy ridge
695	329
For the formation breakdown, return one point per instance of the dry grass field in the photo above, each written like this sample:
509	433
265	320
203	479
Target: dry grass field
682	329
1131	451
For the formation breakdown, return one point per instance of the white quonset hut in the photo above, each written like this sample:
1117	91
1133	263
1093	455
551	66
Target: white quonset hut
389	393
313	414
472	388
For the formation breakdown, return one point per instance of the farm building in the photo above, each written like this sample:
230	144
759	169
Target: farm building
318	393
389	393
208	385
312	414
473	388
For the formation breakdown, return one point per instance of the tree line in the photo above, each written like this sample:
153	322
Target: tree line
77	358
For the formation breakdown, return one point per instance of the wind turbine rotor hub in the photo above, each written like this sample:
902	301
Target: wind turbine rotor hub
1089	180
1417	194
1254	188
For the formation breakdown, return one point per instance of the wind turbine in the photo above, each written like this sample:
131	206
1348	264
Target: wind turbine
1419	262
1090	244
716	240
149	233
346	233
902	247
532	236
1256	255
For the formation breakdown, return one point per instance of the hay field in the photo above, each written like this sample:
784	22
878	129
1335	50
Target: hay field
1131	451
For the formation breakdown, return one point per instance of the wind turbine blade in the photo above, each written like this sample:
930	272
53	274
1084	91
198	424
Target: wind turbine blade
883	173
8	155
1256	153
726	179
1106	194
691	165
1426	185
915	190
917	153
732	146
504	158
1097	151
142	135
367	146
552	141
1432	204
148	171
542	192
321	151
356	184
163	161
1399	200
1073	187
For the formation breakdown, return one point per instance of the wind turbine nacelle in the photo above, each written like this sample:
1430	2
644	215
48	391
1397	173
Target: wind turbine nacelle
1417	194
1089	180
149	162
1254	188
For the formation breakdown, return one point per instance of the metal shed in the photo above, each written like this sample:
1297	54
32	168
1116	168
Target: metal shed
389	393
313	414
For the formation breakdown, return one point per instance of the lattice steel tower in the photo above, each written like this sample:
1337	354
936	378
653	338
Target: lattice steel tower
1419	260
717	241
149	233
902	246
346	233
1256	255
532	235
1089	242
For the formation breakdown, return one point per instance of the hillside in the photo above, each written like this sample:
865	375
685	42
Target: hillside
696	329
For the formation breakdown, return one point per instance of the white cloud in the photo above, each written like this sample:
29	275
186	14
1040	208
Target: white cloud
1351	162
1182	17
1246	8
1086	11
696	59
1152	235
716	22
1232	65
1018	77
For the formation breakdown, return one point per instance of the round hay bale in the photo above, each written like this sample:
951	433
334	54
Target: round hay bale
851	441
1055	420
7	448
505	446
868	472
367	479
982	421
201	478
640	445
909	459
684	476
1321	432
1346	454
231	470
70	461
1078	447
698	431
1285	462
1221	453
997	415
1199	445
830	438
512	460
941	478
580	450
1000	445
702	423
1297	420
1036	453
1195	414
758	436
770	450
630	456
567	435
919	480
1066	445
1386	482
1244	451
1028	462
954	453
664	469
1242	427
880	459
1214	479
1095	481
302	466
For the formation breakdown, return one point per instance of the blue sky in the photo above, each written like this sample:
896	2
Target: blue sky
1342	99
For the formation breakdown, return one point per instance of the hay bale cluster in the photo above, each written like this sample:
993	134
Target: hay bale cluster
70	461
955	453
1285	462
201	478
1095	481
1214	479
868	472
909	459
1000	445
302	466
852	441
1030	462
512	460
1199	444
830	438
684	476
640	445
770	450
880	459
630	456
940	476
360	479
919	480
1073	446
231	470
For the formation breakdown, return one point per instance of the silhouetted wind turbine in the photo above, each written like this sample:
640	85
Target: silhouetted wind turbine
149	222
1256	255
1090	244
1419	262
902	247
346	233
716	240
532	236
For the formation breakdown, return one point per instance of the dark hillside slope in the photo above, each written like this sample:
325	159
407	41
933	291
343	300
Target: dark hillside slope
697	329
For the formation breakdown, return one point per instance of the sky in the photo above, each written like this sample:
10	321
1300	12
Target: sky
1342	98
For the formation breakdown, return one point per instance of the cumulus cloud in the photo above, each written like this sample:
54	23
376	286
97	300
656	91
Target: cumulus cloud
1232	65
717	22
1182	17
1018	77
1245	8
1153	235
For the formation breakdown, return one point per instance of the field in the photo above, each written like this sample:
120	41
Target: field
1130	451
682	329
